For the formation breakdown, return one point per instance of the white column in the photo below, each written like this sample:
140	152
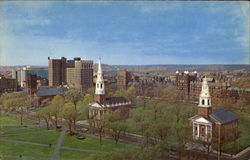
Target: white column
193	130
206	133
211	131
198	128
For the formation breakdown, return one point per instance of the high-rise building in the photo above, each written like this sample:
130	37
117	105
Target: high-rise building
57	71
81	76
123	78
74	73
21	74
31	83
183	81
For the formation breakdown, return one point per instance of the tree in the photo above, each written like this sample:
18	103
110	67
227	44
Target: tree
87	99
121	93
116	124
73	96
131	93
172	94
100	125
19	104
56	105
45	114
69	113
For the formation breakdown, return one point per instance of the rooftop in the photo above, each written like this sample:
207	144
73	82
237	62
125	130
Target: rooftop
223	115
42	92
115	100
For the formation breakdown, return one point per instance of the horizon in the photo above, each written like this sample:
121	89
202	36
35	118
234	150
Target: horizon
125	33
133	65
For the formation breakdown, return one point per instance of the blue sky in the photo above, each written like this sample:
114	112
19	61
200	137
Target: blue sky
141	32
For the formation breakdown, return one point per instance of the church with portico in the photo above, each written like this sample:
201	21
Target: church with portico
103	104
209	125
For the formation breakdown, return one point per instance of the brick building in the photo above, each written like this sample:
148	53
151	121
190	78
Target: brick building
74	73
213	126
123	78
104	104
7	85
31	83
195	88
183	81
47	93
57	71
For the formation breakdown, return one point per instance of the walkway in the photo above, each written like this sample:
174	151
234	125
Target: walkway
52	146
55	154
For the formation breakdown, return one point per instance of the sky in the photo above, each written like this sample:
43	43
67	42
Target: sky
125	33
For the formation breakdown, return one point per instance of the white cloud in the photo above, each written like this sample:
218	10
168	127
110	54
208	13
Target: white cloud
147	7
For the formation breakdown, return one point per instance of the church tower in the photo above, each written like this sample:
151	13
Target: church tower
205	107
99	88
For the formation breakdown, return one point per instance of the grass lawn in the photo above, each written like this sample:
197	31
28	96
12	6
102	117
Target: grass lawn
37	135
11	150
16	149
75	155
91	143
9	119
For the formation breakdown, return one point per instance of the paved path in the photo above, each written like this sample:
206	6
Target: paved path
26	157
55	154
82	150
24	142
15	134
52	146
21	128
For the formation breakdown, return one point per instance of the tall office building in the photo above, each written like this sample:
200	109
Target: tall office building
57	71
123	77
21	74
74	73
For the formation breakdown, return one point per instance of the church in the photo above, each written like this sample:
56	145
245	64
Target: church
103	104
218	125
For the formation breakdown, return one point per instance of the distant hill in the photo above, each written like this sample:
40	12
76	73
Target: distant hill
159	68
173	68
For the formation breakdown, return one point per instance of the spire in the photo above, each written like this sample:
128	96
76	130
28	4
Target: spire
205	98
99	89
99	67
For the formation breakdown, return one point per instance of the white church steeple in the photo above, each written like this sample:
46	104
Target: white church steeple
205	98
99	88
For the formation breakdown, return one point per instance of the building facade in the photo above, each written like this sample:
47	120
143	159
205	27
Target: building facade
31	83
21	75
7	85
57	71
209	126
123	78
183	80
74	73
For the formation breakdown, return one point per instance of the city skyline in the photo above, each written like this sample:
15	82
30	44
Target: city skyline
126	33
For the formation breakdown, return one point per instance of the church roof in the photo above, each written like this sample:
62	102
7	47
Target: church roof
115	100
41	92
223	115
112	102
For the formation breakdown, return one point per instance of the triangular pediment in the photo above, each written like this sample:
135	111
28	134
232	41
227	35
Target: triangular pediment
94	104
202	120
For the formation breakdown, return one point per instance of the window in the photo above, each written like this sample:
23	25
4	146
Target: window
208	102
101	85
203	102
97	85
